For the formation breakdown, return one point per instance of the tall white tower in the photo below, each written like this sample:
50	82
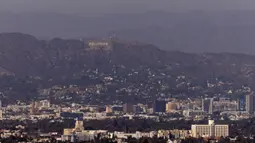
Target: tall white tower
212	128
249	103
79	125
1	114
211	106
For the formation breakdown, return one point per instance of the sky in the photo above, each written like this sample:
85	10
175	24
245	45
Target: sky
60	25
122	6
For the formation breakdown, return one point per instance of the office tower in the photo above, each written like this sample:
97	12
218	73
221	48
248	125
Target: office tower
159	106
138	109
207	105
210	130
211	106
249	103
32	108
1	114
128	108
241	103
170	106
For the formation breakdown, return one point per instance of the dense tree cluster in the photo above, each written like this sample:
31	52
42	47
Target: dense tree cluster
242	127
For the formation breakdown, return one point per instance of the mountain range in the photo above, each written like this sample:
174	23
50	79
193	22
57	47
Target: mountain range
28	64
197	31
25	55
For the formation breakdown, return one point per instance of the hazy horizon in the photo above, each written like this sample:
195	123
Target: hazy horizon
180	29
87	7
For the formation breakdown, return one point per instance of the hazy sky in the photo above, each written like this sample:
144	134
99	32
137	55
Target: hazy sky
124	6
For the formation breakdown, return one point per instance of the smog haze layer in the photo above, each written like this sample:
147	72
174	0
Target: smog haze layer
186	25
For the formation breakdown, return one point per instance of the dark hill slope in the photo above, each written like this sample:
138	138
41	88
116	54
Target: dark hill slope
39	64
25	55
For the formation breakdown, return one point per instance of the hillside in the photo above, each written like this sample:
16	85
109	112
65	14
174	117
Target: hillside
196	32
25	55
32	65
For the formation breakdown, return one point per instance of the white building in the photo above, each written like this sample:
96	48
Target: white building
1	114
193	113
45	104
210	130
79	134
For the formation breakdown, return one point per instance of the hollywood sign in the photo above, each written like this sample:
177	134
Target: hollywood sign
101	44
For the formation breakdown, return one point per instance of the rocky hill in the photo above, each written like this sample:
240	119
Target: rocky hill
28	64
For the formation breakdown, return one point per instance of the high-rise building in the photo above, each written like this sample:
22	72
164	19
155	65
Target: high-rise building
32	108
249	103
108	109
170	106
210	130
211	106
128	108
207	105
1	114
159	106
79	125
241	103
